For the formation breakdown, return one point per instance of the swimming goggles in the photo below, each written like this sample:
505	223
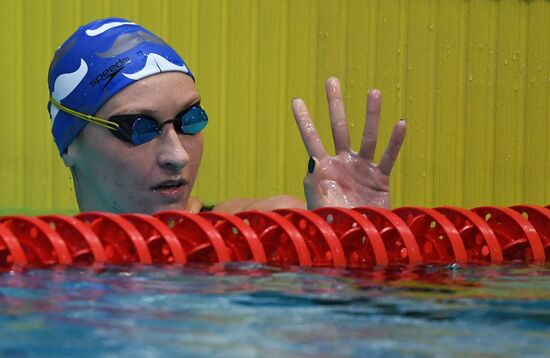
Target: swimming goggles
138	129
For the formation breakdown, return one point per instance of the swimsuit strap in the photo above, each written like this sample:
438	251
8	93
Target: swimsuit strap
205	208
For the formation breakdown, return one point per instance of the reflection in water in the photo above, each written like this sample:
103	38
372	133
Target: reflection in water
255	310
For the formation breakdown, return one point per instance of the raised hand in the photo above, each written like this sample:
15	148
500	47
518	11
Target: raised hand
348	179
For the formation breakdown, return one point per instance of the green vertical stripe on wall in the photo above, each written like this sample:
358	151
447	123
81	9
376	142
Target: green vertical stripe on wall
472	79
300	82
128	9
448	93
419	104
62	198
268	109
536	95
11	107
390	55
211	71
331	56
37	152
241	76
360	63
510	118
479	107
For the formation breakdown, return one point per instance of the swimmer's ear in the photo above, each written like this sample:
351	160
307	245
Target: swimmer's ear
69	157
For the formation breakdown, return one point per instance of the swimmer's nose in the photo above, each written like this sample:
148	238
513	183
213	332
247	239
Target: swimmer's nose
171	153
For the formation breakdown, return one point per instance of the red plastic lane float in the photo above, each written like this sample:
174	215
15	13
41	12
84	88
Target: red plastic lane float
240	239
357	238
84	245
200	240
323	244
282	242
398	239
479	239
11	252
518	238
437	238
162	243
539	217
122	241
41	244
362	243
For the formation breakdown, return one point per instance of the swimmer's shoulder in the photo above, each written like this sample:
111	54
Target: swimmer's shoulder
233	206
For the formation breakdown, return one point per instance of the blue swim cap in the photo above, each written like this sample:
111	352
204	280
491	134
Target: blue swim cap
96	62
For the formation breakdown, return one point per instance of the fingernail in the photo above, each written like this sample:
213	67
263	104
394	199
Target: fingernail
311	165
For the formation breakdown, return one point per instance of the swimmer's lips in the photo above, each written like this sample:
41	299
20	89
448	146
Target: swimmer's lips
169	185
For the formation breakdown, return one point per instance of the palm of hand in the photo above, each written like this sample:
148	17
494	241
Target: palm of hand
348	179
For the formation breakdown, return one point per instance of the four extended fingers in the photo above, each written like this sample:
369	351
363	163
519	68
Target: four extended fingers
340	131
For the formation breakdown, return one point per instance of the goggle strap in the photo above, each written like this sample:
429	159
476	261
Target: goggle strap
99	121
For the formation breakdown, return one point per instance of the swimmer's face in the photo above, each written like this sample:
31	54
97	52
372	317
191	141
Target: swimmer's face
115	176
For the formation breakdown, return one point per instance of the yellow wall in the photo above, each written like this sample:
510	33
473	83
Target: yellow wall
471	77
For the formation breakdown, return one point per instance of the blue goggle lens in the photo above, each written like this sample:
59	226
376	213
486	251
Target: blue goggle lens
139	129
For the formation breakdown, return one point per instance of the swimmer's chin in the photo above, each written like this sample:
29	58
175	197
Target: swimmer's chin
154	208
174	199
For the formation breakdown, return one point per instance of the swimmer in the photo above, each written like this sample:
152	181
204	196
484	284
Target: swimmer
127	120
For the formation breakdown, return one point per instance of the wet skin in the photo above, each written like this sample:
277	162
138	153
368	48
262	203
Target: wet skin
114	176
349	178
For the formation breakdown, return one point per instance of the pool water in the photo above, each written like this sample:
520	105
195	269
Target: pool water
250	310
